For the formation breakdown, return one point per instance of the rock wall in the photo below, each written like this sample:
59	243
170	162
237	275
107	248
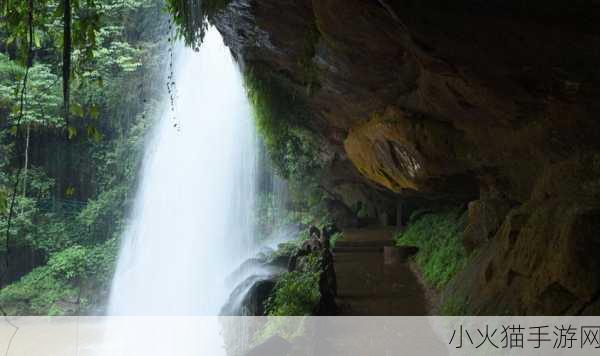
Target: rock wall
489	102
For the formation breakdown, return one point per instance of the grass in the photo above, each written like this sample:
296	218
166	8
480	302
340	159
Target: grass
439	236
454	306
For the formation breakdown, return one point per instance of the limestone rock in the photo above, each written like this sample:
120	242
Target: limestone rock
484	219
249	297
545	257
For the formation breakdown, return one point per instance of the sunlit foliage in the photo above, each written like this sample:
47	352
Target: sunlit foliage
297	292
72	195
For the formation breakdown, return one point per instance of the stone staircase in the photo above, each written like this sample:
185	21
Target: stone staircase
368	286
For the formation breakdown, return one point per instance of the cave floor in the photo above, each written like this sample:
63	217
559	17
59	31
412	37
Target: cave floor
367	286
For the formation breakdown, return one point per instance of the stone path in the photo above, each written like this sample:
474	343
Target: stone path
366	286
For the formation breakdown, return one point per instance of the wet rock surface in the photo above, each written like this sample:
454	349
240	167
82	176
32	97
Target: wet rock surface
544	257
249	297
254	281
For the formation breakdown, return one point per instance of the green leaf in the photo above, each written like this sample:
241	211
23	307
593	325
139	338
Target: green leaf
93	133
77	110
37	40
97	136
69	192
94	112
72	132
3	201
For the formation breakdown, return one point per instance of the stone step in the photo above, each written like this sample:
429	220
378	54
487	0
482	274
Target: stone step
362	246
366	249
357	297
358	244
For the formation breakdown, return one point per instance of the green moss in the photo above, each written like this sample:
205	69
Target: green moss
283	122
309	69
286	249
281	118
438	235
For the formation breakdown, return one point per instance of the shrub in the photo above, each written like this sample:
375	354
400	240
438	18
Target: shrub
335	238
297	293
438	235
56	288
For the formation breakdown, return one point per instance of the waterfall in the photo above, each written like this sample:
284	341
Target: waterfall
192	222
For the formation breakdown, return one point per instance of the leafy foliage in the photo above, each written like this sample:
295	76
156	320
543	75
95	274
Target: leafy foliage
297	292
282	118
438	235
43	102
78	190
56	288
279	117
335	238
193	16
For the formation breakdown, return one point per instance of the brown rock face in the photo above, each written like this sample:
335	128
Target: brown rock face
473	100
403	153
420	94
485	217
545	257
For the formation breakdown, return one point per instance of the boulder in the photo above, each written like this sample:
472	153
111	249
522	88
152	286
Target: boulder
484	218
343	216
327	286
545	257
249	297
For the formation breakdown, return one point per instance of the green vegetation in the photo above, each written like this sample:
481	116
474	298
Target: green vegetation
72	184
306	63
297	292
455	305
335	238
438	235
282	118
286	249
193	16
70	283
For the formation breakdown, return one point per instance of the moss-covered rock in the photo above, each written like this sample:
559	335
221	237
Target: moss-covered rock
544	259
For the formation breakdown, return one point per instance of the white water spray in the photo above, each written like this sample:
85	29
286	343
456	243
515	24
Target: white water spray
192	221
